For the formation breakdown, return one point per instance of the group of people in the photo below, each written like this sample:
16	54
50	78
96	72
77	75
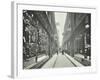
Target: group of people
61	52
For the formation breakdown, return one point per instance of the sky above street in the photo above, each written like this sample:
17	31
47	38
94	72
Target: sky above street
60	22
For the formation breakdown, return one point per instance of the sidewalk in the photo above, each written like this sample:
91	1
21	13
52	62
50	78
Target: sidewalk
75	62
31	62
80	58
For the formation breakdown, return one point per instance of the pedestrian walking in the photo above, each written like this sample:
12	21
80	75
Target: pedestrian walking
62	52
57	52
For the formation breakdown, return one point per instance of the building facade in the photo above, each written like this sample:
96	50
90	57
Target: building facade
77	34
39	32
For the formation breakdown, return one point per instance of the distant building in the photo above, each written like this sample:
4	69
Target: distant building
54	41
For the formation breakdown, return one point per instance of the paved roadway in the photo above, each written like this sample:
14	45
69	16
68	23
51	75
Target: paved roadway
63	61
58	61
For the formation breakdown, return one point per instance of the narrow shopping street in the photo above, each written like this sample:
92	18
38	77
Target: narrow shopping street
56	39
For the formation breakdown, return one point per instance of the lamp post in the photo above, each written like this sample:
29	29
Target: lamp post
87	26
